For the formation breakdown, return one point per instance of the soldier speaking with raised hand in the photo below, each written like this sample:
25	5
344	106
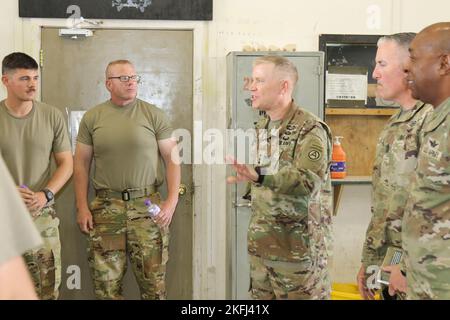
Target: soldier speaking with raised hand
289	229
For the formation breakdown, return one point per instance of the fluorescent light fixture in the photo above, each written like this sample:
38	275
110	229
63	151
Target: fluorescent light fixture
75	33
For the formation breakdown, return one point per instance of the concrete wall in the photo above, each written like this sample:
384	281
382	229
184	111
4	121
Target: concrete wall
257	23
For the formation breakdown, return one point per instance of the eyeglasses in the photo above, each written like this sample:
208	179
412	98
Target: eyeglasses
127	78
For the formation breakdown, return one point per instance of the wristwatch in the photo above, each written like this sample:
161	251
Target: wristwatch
48	194
260	176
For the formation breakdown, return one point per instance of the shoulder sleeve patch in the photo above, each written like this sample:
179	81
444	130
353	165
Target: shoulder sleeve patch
315	155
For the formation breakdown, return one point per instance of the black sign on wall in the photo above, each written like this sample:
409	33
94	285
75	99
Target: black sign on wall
118	9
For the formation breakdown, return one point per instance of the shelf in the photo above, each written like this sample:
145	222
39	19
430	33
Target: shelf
352	180
329	111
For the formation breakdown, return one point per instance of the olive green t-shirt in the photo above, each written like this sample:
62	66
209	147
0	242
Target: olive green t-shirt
27	143
124	140
273	125
17	231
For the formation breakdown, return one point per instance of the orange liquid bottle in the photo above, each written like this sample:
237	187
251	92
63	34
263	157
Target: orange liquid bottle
338	160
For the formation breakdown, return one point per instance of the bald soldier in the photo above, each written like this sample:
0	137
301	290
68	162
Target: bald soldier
291	207
395	161
426	224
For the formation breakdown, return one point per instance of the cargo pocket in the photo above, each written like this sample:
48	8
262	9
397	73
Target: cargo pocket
151	265
154	259
47	273
41	265
112	242
34	270
107	256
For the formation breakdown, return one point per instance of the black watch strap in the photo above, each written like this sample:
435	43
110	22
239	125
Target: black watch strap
48	194
260	176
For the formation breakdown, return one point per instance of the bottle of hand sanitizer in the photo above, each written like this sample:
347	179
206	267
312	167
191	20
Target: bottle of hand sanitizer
338	160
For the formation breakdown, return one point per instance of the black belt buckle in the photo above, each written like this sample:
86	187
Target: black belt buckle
126	195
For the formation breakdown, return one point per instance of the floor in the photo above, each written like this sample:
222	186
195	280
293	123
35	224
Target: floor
350	226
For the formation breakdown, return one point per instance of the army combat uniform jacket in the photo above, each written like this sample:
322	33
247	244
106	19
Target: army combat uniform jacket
395	162
426	223
291	208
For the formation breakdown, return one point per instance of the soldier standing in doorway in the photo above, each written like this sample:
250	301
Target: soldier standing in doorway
127	138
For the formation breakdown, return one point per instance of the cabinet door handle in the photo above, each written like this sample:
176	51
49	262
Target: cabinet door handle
242	205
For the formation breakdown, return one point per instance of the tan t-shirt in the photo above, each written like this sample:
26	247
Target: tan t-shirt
125	145
27	143
17	231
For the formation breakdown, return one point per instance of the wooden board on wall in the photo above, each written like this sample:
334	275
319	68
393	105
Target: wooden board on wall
360	138
119	9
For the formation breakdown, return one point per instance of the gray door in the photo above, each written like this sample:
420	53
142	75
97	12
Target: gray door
309	95
73	79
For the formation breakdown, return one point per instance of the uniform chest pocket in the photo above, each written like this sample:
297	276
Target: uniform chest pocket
393	153
433	165
288	145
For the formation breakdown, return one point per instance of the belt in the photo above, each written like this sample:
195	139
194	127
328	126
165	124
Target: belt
127	194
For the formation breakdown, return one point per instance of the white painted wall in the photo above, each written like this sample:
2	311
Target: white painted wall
256	23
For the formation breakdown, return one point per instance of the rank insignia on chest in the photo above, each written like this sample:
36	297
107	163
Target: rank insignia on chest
433	143
431	149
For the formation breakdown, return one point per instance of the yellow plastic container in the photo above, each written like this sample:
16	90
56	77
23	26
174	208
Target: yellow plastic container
347	291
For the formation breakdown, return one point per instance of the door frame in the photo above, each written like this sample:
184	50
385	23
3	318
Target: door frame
205	255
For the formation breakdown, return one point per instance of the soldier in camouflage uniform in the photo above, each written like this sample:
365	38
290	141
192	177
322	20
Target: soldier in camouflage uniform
30	133
291	208
127	137
396	157
426	224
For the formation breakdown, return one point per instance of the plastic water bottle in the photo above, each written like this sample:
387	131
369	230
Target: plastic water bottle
152	208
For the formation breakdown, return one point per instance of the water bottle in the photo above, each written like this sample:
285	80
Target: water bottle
152	208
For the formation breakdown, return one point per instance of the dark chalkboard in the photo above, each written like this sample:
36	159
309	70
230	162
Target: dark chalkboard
119	9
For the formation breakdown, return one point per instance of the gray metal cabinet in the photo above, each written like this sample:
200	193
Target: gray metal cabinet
308	95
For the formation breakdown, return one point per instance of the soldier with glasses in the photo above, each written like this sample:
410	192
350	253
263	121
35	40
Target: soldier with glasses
127	137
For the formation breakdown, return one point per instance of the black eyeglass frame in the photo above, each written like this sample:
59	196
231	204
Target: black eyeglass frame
127	78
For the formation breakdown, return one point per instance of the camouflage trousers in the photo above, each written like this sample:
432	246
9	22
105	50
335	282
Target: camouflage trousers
44	263
286	280
121	229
